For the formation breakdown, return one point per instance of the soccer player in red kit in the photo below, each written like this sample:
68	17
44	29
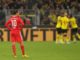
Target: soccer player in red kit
15	24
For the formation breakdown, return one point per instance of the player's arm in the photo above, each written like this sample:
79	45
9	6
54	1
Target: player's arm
21	23
68	22
58	19
75	20
8	24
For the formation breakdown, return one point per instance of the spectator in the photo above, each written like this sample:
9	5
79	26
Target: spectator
43	6
46	21
14	4
1	7
52	16
27	21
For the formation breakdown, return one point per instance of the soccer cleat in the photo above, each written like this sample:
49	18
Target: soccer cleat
62	42
74	41
57	42
25	56
15	56
68	42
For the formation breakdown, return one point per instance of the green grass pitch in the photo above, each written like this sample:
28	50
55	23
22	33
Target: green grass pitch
42	51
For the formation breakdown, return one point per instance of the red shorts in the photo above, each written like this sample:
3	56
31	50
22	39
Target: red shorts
15	36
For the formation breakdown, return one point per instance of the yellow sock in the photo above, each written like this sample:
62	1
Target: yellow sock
78	35
74	39
61	39
57	38
67	39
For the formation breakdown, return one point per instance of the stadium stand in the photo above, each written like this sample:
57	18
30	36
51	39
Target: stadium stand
41	8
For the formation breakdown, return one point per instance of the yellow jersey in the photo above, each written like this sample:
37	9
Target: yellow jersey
58	25
73	22
64	22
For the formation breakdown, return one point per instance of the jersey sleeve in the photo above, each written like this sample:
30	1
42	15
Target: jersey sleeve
58	25
21	23
58	19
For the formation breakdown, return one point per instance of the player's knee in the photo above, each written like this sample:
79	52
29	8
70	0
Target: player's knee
13	43
21	43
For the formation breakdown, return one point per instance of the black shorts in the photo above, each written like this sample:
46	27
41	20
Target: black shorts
59	30
64	30
74	30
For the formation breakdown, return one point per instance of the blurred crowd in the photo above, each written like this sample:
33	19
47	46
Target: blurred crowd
49	9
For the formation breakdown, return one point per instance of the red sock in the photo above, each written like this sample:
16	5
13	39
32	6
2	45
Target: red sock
22	49
14	49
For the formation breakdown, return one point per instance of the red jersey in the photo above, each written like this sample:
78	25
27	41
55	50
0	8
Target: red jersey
14	23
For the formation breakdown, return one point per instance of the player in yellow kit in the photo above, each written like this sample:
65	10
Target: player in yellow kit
58	29
64	27
74	27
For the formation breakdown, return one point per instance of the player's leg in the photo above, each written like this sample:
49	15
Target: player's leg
67	37
13	40
20	40
62	37
74	39
57	38
74	34
14	49
77	34
23	50
58	35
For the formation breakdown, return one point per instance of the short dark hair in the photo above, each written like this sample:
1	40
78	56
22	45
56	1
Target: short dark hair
13	0
70	15
13	12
